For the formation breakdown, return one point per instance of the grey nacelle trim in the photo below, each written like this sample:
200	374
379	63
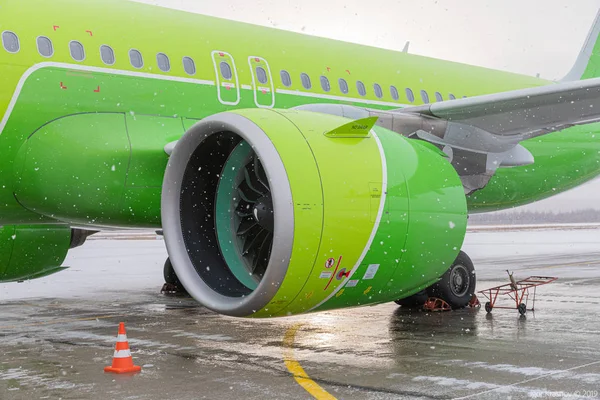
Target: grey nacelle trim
282	207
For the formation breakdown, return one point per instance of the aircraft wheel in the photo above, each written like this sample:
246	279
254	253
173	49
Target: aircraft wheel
170	275
522	308
416	300
457	285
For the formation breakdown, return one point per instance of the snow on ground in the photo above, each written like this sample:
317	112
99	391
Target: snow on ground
107	266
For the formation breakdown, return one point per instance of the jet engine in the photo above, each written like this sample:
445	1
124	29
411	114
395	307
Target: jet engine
273	213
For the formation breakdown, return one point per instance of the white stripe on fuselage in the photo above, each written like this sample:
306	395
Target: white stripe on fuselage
340	98
78	67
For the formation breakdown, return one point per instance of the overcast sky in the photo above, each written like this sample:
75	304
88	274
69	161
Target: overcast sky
523	36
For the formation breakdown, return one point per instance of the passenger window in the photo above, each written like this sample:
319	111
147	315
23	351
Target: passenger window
286	79
305	81
107	54
424	96
226	70
343	86
361	88
189	66
137	61
163	62
77	51
410	95
10	41
394	93
378	91
261	75
451	96
44	46
438	96
325	84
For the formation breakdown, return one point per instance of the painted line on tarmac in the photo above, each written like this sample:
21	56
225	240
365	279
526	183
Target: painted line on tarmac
296	369
562	371
59	321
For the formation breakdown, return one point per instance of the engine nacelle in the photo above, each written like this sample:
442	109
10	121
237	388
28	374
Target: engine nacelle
268	213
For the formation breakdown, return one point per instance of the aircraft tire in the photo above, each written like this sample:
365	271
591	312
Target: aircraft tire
169	274
416	300
457	285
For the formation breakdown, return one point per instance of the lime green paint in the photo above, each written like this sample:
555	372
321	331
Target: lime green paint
338	185
70	123
125	25
593	68
350	172
76	168
357	128
305	182
332	182
422	228
148	135
28	252
563	160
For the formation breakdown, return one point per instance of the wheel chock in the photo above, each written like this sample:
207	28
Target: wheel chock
474	302
434	304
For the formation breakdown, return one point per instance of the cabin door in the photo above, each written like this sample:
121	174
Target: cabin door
228	85
262	82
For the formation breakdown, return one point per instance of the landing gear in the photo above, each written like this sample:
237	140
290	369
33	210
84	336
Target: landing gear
416	300
457	285
172	284
522	308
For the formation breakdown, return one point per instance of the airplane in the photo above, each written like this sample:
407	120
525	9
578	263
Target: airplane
288	173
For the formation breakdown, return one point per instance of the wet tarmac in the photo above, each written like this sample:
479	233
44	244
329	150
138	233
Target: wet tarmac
57	334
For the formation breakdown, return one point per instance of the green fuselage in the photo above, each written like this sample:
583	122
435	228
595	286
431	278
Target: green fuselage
142	109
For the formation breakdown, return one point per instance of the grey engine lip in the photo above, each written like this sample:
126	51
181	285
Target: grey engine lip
282	207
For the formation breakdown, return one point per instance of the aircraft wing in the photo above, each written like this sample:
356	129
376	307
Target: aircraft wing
481	134
524	113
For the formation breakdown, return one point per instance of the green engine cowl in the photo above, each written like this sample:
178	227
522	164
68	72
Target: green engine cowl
272	213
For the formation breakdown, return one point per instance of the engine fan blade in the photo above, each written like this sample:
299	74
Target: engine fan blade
246	225
259	266
247	194
260	173
252	241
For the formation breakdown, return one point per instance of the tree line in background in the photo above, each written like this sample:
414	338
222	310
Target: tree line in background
535	217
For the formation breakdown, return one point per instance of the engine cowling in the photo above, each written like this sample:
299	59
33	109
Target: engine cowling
266	214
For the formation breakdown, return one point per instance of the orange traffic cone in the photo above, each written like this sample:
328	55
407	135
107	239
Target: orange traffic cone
122	360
